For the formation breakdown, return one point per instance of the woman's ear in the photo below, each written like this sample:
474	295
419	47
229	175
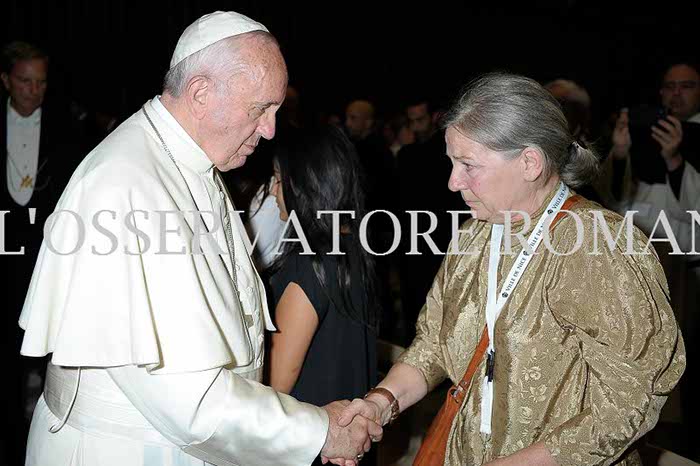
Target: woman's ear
533	163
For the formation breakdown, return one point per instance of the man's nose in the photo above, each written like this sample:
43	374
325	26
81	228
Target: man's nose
267	125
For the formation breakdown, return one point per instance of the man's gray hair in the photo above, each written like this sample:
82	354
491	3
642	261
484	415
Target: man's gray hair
508	113
220	60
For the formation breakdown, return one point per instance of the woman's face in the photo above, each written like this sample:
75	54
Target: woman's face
488	183
279	195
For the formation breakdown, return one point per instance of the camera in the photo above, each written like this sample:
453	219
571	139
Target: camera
647	164
646	116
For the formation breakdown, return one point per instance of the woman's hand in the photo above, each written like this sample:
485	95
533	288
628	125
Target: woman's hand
370	408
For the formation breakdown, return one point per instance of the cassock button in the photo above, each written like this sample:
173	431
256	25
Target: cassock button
221	194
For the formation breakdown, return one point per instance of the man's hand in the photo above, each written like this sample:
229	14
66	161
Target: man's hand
344	444
369	409
669	134
621	136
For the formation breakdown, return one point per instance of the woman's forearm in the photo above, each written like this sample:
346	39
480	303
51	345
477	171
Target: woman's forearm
406	383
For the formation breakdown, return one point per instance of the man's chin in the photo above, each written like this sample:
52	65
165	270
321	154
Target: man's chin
237	162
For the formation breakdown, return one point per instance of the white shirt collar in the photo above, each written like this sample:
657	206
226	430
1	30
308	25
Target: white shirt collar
695	118
195	158
17	119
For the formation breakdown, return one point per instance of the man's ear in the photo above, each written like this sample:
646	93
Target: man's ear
5	80
198	92
532	163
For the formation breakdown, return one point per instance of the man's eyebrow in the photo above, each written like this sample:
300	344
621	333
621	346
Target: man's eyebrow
265	104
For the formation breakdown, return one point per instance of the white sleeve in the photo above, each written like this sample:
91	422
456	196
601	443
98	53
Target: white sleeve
224	419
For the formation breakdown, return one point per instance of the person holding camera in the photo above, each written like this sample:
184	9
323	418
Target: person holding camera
667	183
639	181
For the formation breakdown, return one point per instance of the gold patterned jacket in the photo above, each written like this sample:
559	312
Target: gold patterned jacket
587	346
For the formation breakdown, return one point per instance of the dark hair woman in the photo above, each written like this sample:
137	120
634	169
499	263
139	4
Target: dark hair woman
325	345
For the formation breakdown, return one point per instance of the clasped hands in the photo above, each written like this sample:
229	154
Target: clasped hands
352	429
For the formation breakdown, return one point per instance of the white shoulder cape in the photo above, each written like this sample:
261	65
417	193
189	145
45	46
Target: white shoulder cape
170	312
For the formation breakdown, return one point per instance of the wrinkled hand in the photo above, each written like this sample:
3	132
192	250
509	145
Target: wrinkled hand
621	136
344	443
669	134
364	409
359	407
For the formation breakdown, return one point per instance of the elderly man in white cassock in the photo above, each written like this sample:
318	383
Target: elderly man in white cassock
144	292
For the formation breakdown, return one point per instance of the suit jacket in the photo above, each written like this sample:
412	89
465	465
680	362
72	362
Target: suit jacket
59	148
58	151
424	171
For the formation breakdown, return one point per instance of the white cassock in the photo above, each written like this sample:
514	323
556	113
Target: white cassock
155	359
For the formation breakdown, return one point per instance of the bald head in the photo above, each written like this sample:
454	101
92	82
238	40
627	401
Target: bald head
565	89
359	118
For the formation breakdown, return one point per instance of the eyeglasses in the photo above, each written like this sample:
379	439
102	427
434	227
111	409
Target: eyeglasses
682	85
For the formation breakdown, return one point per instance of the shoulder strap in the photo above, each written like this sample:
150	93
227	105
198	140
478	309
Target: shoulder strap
568	205
461	388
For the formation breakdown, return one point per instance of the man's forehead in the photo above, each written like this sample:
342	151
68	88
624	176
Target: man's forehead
360	108
417	111
30	66
681	73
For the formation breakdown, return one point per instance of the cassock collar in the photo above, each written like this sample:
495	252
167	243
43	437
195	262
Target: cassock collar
189	151
17	119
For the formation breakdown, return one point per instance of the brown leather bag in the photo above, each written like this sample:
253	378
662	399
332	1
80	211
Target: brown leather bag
432	451
434	447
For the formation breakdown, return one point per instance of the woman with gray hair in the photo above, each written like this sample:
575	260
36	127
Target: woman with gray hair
558	356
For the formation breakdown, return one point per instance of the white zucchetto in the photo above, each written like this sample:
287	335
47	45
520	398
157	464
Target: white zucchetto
212	28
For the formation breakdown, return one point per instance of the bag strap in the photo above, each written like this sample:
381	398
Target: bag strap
568	205
459	390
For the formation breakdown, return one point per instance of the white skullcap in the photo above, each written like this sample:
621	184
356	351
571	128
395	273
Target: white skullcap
212	28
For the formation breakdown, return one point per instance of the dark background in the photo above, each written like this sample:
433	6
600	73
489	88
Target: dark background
111	55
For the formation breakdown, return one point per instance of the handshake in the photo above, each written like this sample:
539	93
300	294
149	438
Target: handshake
352	428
